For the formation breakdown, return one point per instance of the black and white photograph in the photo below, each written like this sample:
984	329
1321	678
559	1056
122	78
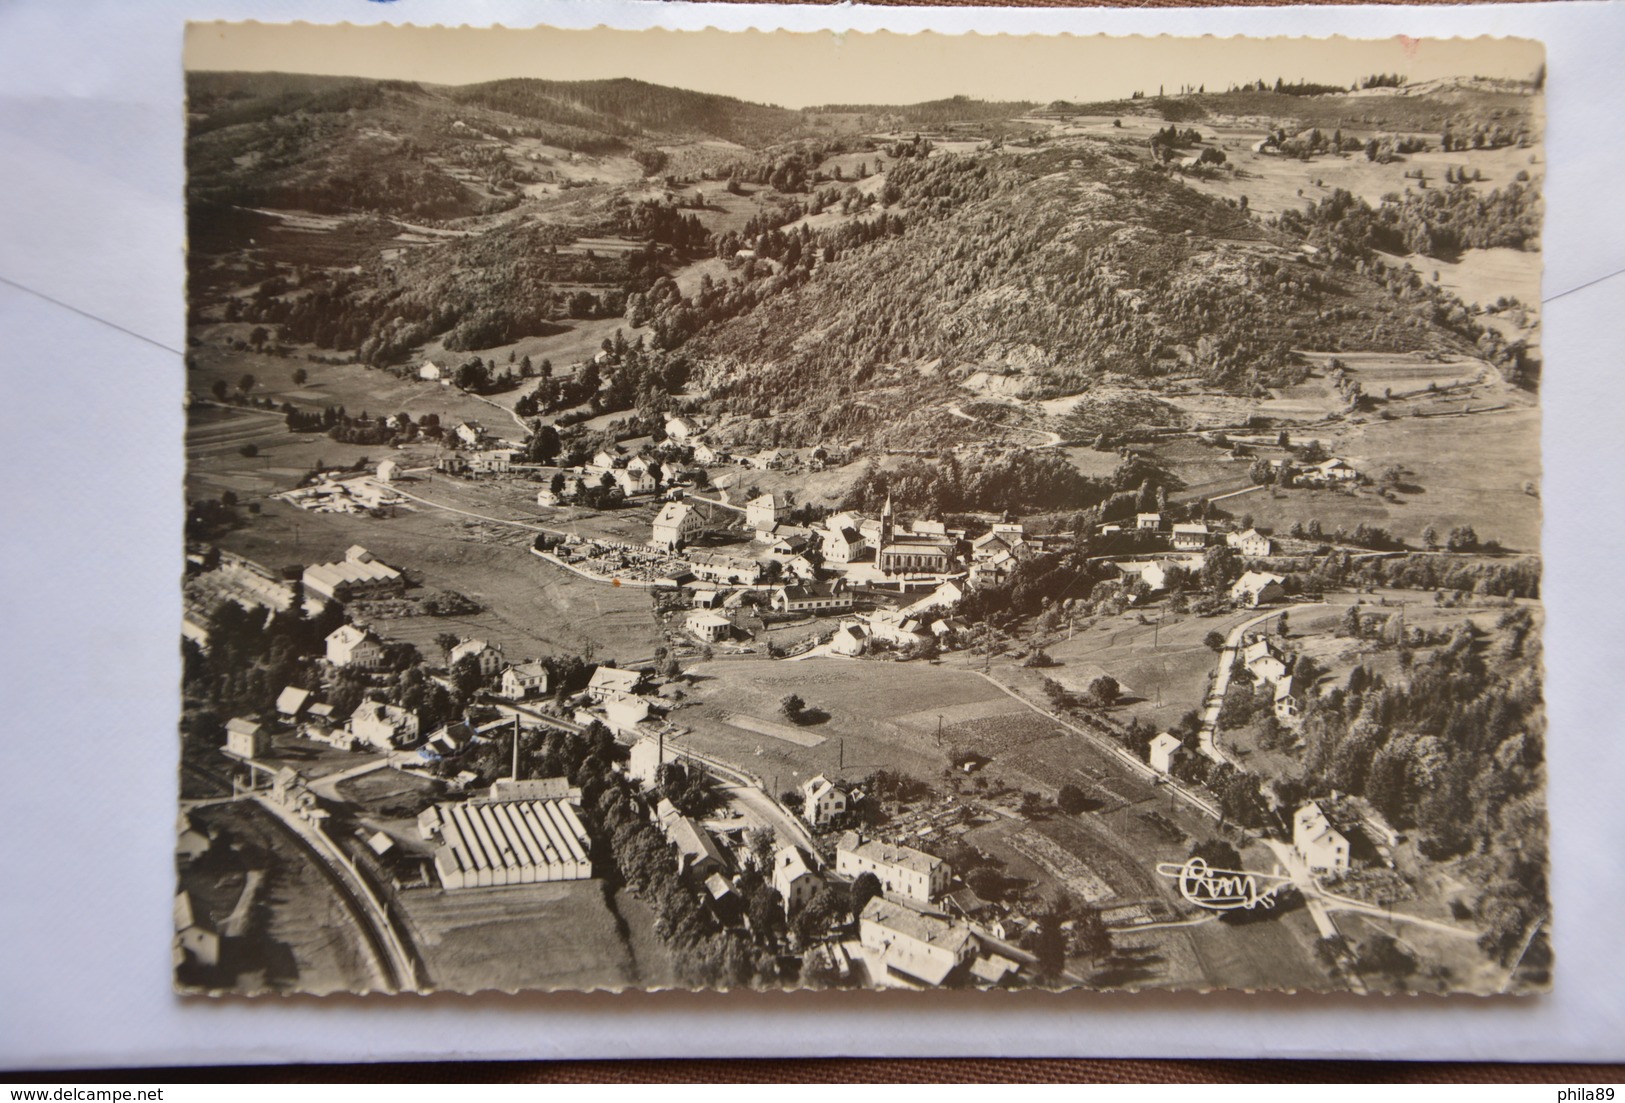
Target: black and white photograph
687	510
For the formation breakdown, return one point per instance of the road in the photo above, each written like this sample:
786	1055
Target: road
1208	736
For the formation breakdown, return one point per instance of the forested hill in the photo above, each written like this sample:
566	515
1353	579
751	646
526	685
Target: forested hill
634	107
1054	267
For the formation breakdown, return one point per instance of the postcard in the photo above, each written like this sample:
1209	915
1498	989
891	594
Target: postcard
688	510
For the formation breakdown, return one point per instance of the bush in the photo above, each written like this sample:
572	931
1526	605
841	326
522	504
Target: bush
1071	800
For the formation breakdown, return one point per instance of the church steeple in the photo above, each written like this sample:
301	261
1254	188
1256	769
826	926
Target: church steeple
886	522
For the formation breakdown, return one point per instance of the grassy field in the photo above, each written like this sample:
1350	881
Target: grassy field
529	606
354	386
563	935
307	940
879	715
1469	470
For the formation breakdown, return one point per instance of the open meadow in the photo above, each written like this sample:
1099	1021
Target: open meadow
540	937
528	606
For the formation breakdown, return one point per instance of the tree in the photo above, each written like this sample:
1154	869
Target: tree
1049	942
1218	854
760	842
219	388
1103	691
446	641
299	376
792	706
257	337
864	889
1382	955
1430	537
1091	938
1214	640
246	383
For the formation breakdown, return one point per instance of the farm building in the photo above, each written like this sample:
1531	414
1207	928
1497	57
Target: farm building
843	545
635	481
387	470
1288	699
697	852
761	514
292	702
1257	588
489	842
432	371
1148	521
1252	543
357	575
1191	536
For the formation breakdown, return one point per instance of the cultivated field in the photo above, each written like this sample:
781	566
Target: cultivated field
542	937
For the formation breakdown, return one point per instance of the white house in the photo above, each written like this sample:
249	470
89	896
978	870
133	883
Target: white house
680	429
292	702
612	681
677	524
1336	470
761	514
1252	543
735	570
901	870
432	371
945	596
491	461
631	481
383	726
822	800
1153	573
246	739
812	597
470	433
624	714
849	640
1263	661
1321	846
348	645
1288	699
911	945
710	627
794	877
706	454
488	655
387	470
1257	588
1151	521
521	680
842	545
1165	751
1190	536
645	762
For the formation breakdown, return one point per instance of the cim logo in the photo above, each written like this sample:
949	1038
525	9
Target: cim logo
1223	890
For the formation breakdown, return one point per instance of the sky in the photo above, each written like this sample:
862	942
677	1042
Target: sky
808	69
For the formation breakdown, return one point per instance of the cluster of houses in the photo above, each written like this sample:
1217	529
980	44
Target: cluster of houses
1268	666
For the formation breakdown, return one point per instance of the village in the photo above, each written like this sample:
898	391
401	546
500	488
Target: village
630	640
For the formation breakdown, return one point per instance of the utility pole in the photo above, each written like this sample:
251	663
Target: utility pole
840	761
516	746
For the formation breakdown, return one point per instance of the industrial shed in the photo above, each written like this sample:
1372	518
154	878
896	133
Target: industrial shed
491	843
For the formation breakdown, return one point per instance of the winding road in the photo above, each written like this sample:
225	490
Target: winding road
1208	735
